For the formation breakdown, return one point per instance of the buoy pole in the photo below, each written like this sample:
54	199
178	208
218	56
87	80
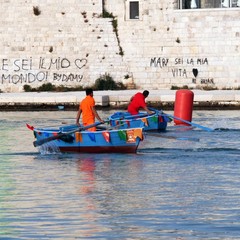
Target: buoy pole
183	106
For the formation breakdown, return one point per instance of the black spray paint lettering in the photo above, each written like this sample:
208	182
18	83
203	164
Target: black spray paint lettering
56	63
207	81
24	78
159	62
178	61
202	61
18	64
80	63
67	78
4	64
60	63
22	64
178	72
190	61
195	72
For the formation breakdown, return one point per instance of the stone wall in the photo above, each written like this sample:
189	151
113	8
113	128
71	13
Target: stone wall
69	43
169	47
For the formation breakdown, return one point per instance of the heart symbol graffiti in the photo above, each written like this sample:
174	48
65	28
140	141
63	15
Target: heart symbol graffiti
80	63
195	72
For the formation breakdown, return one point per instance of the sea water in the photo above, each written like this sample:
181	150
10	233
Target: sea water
182	184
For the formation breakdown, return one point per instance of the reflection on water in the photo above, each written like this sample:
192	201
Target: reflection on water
174	188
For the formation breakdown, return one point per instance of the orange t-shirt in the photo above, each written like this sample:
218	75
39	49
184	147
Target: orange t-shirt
87	114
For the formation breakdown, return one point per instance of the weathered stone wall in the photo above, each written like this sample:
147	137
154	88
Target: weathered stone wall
168	47
66	44
69	43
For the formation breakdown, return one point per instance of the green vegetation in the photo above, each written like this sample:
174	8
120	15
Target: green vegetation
49	87
202	87
208	88
177	87
106	14
104	82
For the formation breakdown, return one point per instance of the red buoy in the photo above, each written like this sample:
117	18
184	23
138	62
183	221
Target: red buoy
183	106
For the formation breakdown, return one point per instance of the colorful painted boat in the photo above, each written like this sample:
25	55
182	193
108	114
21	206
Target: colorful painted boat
154	122
70	139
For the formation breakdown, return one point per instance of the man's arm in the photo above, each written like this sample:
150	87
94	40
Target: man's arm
147	110
96	115
78	116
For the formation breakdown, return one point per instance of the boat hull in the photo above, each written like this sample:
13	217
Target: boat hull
104	141
100	149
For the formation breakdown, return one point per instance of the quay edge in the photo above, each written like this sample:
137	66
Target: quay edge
160	99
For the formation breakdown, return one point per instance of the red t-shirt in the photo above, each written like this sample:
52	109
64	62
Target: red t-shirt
137	102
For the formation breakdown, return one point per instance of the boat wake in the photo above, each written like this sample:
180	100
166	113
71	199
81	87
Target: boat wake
49	148
187	150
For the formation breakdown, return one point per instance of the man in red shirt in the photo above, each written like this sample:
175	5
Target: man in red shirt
88	111
138	101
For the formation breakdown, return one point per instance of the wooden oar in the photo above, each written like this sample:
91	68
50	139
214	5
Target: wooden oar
58	136
172	137
185	121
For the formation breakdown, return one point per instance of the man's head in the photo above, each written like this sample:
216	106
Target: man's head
145	93
89	91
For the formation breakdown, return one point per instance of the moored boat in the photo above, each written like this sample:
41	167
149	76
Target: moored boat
71	139
153	122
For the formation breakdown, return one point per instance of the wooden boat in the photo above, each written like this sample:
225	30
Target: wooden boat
70	139
154	122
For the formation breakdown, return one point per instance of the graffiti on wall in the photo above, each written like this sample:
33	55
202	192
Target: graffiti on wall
29	70
179	67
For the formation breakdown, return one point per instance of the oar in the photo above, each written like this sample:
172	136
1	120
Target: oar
139	115
185	121
190	123
172	137
49	139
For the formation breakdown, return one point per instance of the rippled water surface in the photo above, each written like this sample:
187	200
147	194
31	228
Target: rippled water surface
182	184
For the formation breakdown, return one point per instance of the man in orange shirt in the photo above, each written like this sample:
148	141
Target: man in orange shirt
88	111
138	101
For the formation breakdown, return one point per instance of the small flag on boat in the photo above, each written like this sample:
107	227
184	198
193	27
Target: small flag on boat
130	136
106	136
78	137
122	135
92	136
29	127
138	133
155	119
145	121
160	118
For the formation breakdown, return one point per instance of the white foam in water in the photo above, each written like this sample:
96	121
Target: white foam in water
49	148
